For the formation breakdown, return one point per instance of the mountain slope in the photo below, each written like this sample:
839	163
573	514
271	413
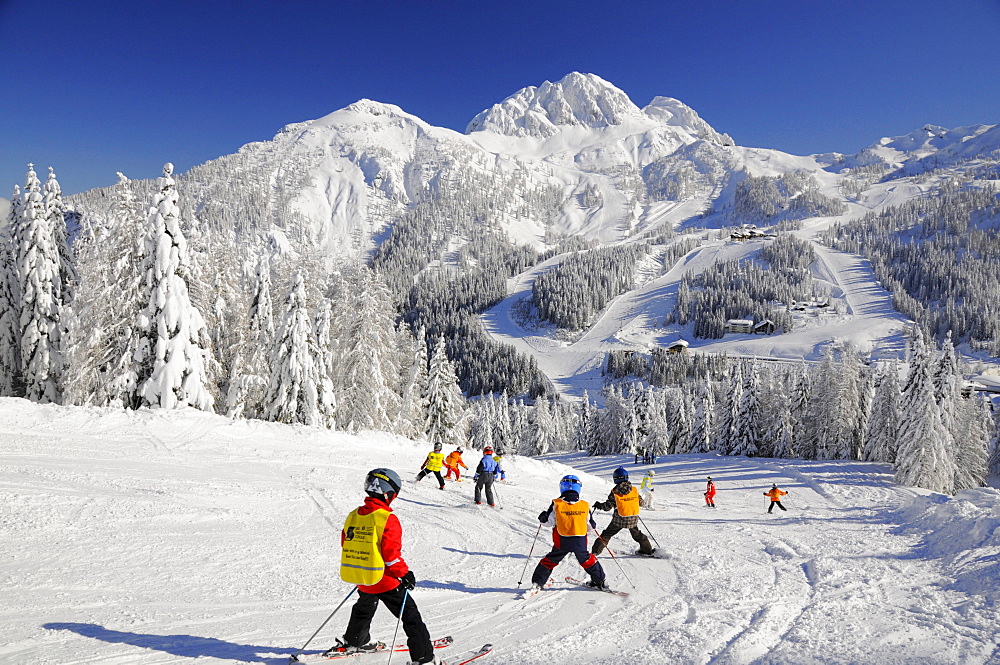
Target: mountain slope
152	537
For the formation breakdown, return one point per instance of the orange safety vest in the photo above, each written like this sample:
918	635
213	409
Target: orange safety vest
572	519
454	459
361	559
628	505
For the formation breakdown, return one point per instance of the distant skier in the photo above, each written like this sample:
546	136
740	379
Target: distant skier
486	472
433	464
775	495
452	462
646	490
570	520
624	498
501	475
710	493
371	557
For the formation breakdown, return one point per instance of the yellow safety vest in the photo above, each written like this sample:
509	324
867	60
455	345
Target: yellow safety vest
571	518
361	559
434	461
627	505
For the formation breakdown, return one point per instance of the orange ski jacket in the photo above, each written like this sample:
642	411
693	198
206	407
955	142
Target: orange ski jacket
775	494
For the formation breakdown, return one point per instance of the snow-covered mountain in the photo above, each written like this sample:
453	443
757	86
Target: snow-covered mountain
574	160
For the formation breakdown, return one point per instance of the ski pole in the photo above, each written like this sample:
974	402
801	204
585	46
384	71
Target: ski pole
650	534
295	656
529	555
496	495
399	619
613	557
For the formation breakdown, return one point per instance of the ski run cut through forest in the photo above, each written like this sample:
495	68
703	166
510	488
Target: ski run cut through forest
157	536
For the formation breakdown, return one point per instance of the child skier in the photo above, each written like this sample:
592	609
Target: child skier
372	558
646	490
569	518
433	464
775	495
452	462
624	498
710	493
486	472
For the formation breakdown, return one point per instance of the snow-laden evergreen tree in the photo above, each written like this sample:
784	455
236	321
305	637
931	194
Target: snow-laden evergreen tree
413	414
822	433
293	391
326	400
503	425
104	339
923	458
445	402
730	411
249	375
367	396
972	440
749	423
10	305
482	414
37	261
800	399
849	437
947	385
993	462
778	439
55	211
883	425
658	435
682	422
540	429
586	414
173	354
702	430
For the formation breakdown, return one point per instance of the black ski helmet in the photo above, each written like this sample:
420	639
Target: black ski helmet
437	447
620	474
382	484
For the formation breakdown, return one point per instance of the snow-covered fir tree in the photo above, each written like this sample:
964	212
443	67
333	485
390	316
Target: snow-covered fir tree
923	458
729	419
972	439
658	434
540	427
10	305
883	425
445	402
778	437
293	390
703	427
326	400
366	373
38	267
749	422
55	211
799	409
413	402
173	354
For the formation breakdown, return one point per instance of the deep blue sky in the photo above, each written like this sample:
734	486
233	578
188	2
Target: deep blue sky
101	86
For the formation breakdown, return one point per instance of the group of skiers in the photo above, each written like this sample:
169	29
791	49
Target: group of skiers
371	543
486	473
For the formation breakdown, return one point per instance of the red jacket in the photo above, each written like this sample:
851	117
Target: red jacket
390	546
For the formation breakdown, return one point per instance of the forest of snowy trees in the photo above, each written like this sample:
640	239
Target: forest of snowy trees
124	317
746	290
915	417
939	256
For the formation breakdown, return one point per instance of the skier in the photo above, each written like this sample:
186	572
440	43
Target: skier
569	518
646	490
624	498
371	558
452	462
433	464
710	493
775	495
486	472
501	474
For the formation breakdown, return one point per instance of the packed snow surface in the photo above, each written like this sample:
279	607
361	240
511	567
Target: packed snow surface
176	537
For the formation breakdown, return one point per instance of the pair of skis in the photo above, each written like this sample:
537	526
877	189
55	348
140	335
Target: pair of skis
572	580
439	643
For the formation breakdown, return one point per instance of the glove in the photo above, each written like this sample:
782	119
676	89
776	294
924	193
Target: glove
408	581
543	516
475	477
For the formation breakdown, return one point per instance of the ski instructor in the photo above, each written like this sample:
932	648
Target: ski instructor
372	558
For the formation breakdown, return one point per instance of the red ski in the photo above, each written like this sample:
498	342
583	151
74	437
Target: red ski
439	643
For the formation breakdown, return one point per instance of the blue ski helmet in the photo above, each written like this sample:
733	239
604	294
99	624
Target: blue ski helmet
570	483
382	484
620	474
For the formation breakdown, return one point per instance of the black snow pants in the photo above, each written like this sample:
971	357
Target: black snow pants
418	638
485	480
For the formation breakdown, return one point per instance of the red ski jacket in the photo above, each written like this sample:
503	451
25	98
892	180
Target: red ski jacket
390	546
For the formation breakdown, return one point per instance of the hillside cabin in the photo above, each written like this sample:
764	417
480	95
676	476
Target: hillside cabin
746	232
765	327
739	326
677	347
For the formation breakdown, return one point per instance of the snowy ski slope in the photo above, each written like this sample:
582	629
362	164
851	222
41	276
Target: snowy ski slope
183	537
